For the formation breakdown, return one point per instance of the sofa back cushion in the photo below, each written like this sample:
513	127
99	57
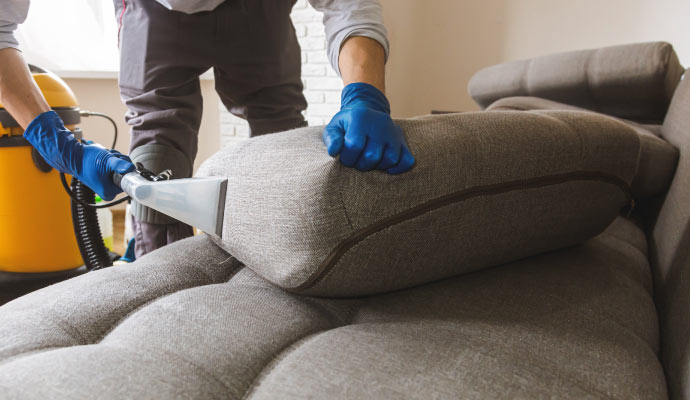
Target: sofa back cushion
487	188
633	81
670	250
658	158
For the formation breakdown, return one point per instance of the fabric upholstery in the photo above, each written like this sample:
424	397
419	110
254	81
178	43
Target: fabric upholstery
658	158
670	245
482	193
198	262
188	322
634	81
529	103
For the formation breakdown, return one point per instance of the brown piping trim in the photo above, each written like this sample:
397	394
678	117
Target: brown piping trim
332	259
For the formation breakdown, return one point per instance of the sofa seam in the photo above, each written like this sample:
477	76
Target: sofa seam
588	84
591	315
664	70
151	301
135	310
533	367
648	287
73	333
336	254
280	356
66	327
298	344
638	162
525	80
39	350
192	364
329	271
625	242
342	199
234	270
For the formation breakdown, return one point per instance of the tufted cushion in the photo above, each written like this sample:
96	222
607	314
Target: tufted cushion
187	322
658	158
634	81
488	188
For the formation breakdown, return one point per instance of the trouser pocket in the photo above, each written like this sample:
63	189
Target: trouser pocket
148	34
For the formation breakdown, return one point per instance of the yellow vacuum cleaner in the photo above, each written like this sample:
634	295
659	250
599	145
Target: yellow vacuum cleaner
36	229
48	225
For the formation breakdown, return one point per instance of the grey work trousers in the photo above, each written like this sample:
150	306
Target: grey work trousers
253	50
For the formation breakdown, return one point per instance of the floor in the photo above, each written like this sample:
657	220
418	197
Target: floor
118	231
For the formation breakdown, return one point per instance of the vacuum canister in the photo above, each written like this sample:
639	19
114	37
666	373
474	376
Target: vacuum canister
36	232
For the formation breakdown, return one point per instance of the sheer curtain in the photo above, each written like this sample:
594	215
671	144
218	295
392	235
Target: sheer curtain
71	35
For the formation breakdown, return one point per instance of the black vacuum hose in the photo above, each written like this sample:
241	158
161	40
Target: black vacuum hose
86	228
85	215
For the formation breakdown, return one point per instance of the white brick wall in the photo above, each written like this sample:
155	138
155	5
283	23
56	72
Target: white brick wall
322	86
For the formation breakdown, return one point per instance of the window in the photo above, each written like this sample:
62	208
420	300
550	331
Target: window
71	35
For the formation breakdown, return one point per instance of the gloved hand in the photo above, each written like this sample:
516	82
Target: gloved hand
91	164
364	135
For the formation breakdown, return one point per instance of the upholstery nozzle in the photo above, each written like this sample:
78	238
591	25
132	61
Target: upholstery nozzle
199	202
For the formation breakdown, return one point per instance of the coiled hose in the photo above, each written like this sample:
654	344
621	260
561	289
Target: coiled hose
85	216
86	228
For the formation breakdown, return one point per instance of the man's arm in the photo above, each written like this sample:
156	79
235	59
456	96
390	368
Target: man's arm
43	128
346	19
362	135
363	60
18	91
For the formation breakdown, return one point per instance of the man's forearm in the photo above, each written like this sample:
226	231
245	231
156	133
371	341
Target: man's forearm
18	91
363	60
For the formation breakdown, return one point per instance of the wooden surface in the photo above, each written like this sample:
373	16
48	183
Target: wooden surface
118	231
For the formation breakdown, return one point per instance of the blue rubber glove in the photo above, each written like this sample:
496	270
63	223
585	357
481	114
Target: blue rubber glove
91	164
364	135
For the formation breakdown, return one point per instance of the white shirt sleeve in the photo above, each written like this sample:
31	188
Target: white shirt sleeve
12	13
345	18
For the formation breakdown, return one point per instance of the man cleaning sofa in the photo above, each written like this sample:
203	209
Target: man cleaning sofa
159	82
534	252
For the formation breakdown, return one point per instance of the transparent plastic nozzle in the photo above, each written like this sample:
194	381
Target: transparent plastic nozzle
199	202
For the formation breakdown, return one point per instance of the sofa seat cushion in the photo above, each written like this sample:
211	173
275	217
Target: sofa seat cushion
488	188
187	321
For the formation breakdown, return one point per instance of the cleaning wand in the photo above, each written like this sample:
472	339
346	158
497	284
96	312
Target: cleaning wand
199	202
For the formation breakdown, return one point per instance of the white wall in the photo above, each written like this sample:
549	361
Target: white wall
436	45
534	27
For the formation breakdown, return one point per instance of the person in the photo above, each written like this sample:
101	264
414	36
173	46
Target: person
165	45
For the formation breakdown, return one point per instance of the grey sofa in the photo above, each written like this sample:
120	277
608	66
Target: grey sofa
602	310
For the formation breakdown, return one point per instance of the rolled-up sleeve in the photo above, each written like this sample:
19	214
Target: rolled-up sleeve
12	13
345	18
